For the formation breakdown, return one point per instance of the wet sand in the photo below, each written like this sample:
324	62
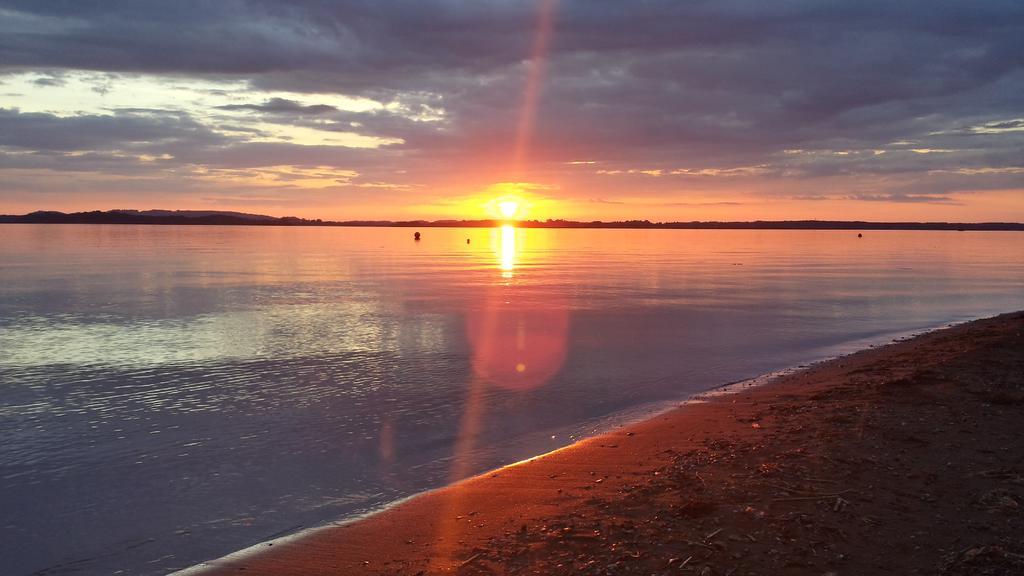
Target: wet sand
903	459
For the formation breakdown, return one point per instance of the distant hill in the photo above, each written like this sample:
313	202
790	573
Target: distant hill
185	217
196	213
213	217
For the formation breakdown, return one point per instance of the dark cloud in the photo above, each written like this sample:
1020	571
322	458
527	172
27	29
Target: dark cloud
912	198
282	106
854	87
1005	125
700	204
142	131
49	81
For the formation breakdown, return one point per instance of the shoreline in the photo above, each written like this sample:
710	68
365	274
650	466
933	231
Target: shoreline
599	426
437	531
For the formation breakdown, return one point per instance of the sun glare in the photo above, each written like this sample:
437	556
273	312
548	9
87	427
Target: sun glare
508	208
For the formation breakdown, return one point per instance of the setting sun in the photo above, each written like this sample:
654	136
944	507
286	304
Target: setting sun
508	202
508	208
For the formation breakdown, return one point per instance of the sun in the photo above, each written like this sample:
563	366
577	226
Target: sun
508	208
504	204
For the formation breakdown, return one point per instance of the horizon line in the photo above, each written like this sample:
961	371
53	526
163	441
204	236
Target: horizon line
226	217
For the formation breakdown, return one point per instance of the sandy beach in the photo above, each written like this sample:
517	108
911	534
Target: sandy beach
902	459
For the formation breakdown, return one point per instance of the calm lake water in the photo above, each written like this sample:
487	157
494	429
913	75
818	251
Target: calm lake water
172	394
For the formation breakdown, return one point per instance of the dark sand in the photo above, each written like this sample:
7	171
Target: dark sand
905	459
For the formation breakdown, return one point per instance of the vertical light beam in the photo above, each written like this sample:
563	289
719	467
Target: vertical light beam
534	79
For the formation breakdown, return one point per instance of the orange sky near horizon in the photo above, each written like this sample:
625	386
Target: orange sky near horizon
984	206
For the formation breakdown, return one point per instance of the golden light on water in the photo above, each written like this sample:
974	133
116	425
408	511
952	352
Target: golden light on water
507	249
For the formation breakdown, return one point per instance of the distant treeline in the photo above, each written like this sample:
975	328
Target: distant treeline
194	218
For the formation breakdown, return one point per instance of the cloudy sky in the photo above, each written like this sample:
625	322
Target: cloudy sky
666	110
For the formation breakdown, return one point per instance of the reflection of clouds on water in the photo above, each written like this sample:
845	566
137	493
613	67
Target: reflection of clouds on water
273	332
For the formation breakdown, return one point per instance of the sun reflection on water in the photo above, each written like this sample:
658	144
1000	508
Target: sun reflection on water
507	253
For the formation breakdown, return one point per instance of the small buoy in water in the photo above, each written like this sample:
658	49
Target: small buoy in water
860	235
416	236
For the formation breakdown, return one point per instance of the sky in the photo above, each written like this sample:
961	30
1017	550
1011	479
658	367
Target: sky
659	110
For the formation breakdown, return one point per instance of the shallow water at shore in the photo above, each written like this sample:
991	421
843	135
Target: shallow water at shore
172	394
